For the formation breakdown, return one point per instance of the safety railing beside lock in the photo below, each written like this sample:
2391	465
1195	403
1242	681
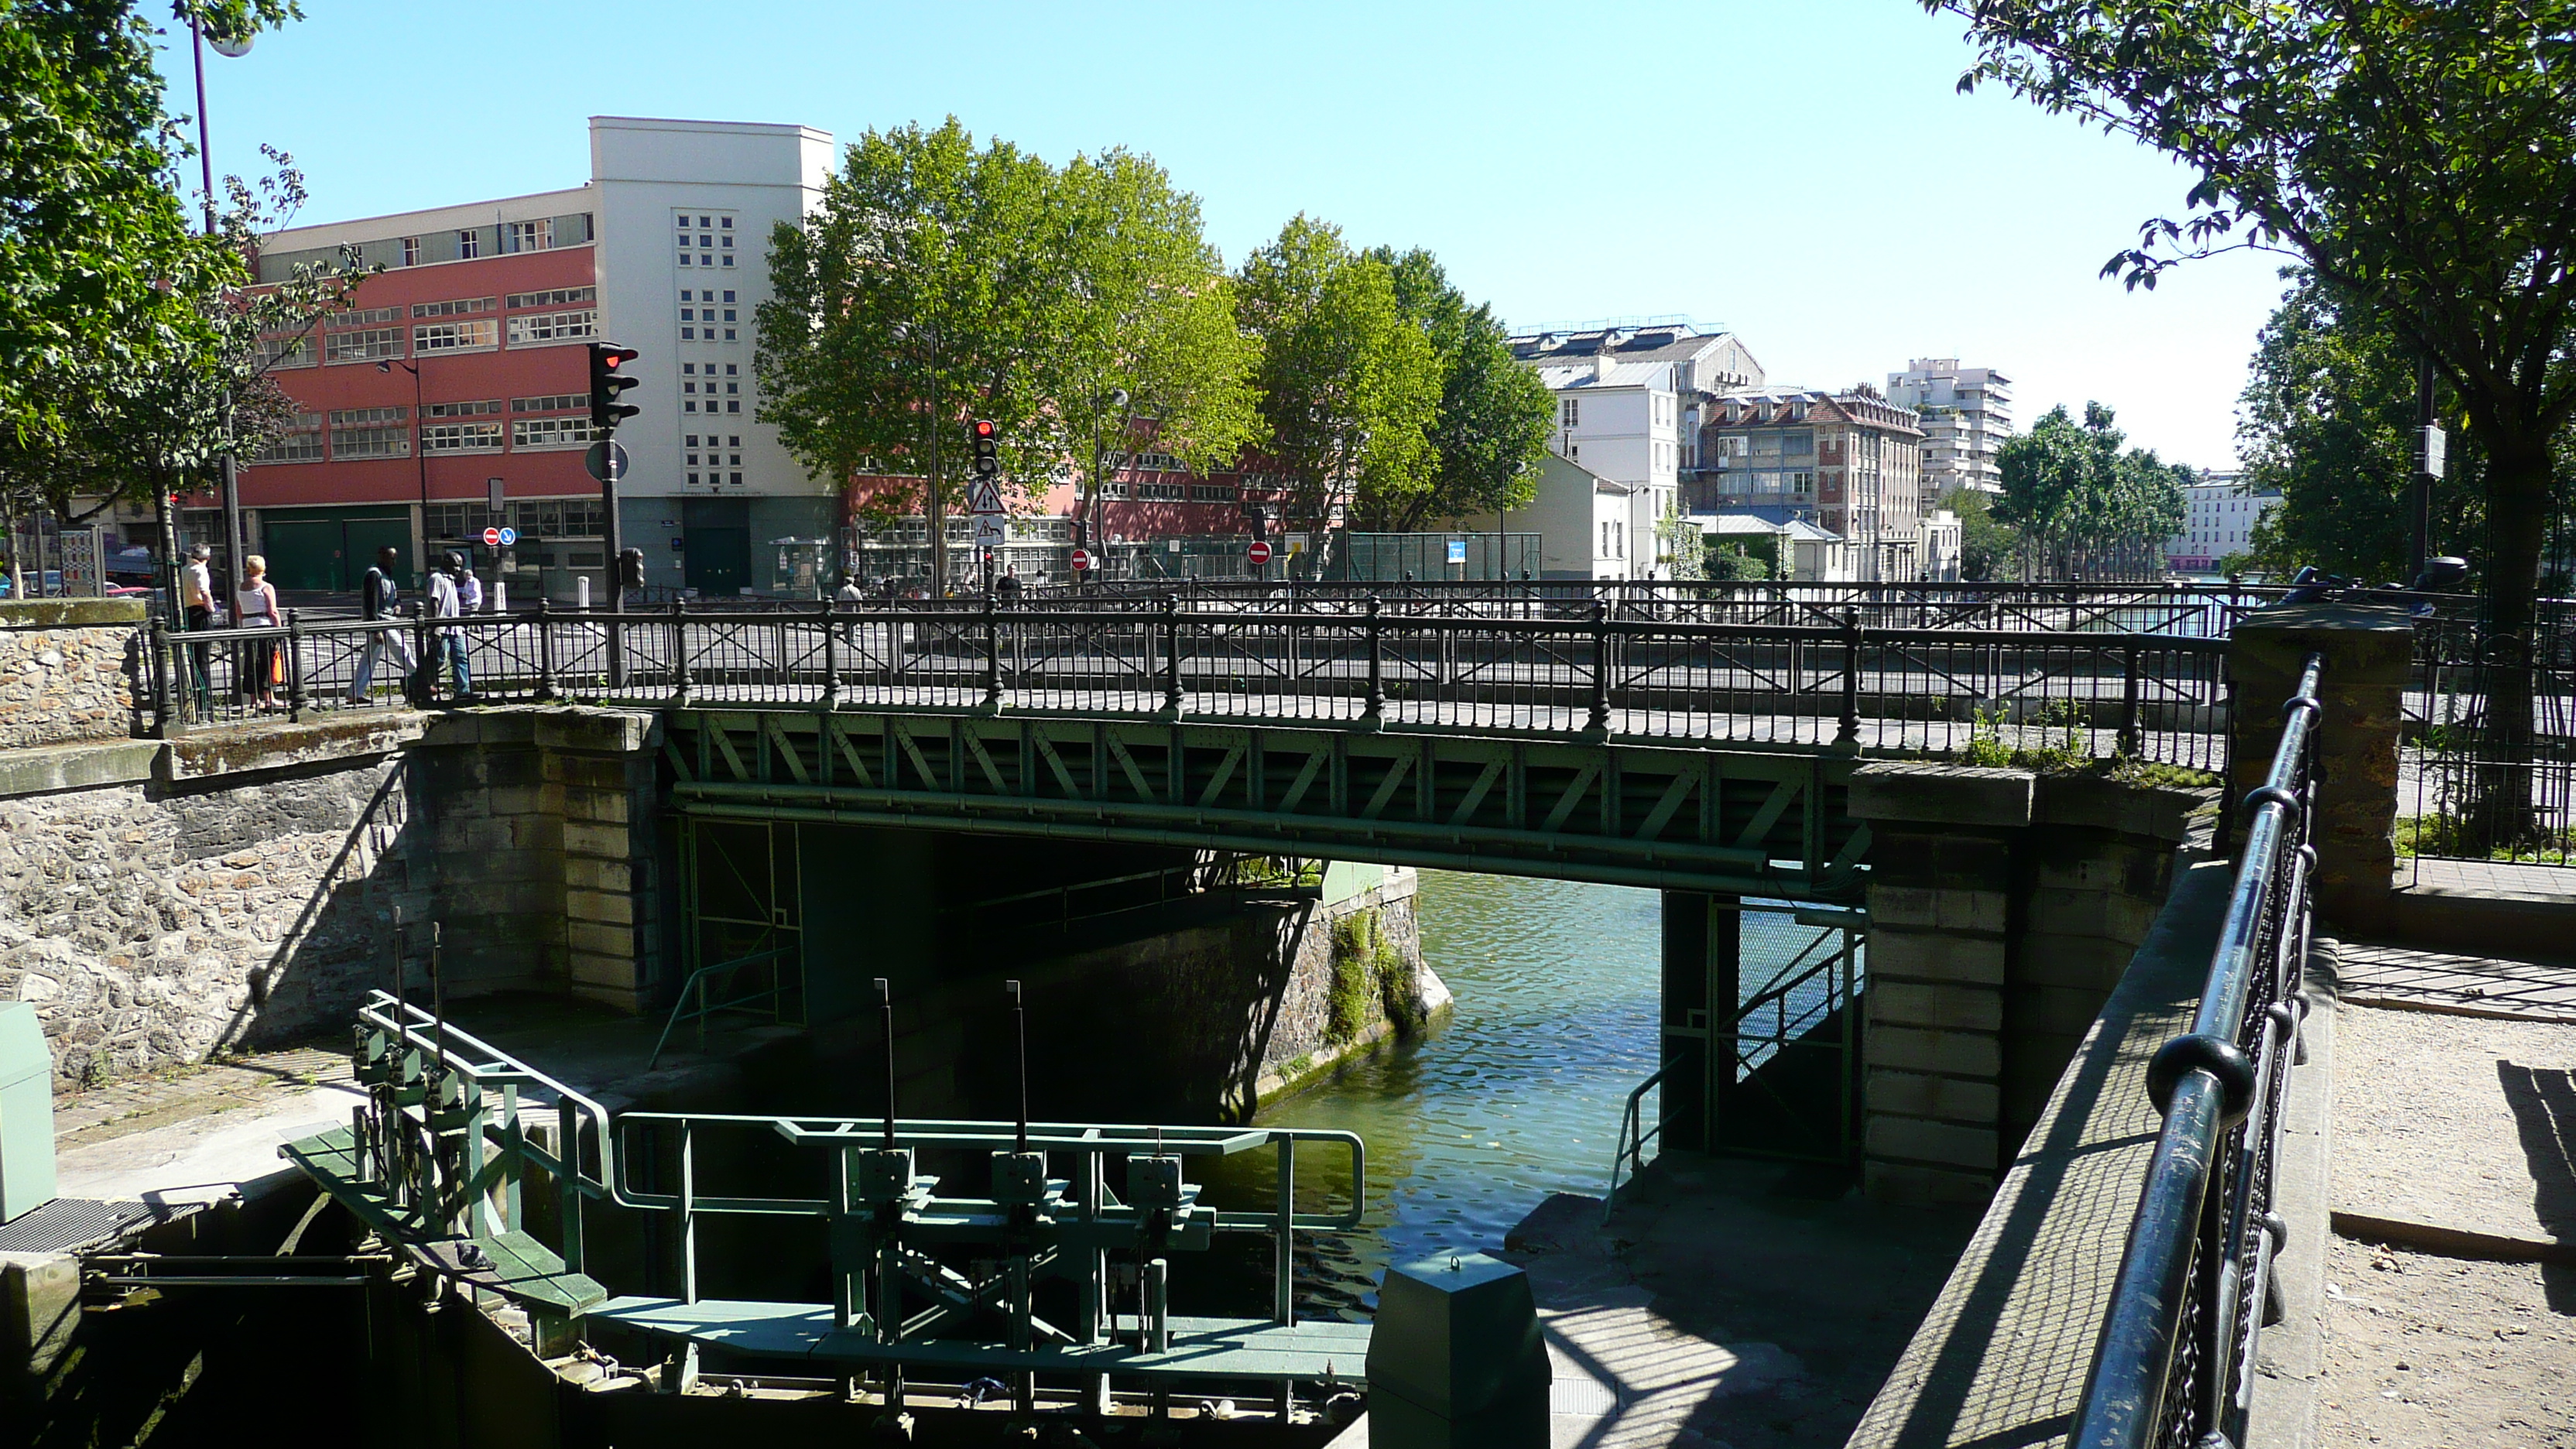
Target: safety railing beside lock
2175	1365
2076	693
446	1134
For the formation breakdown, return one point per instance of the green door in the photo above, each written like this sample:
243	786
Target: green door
716	544
366	535
304	553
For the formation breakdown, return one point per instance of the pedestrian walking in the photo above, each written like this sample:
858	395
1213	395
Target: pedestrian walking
197	615
1009	588
380	602
469	587
447	601
850	595
256	672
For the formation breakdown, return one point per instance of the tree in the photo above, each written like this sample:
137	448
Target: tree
1988	547
2416	155
2325	421
2083	507
1350	388
1144	343
1735	562
919	294
92	227
1494	417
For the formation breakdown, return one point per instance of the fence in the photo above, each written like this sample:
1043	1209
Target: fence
2474	786
2175	1365
1846	684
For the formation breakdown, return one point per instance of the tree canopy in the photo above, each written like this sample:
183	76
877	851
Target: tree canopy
1350	385
2082	506
1494	416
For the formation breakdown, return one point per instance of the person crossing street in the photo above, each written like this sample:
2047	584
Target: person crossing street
379	601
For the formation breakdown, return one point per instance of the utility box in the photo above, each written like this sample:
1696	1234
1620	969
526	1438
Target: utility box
1456	1360
26	1112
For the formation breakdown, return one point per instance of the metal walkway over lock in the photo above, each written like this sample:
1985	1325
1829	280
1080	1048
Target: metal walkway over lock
453	1140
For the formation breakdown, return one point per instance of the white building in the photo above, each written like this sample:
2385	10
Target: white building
1584	522
1628	403
1967	415
1944	546
2220	514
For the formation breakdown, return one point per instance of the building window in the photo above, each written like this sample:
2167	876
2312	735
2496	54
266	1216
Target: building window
550	403
1573	412
371	442
485	408
295	351
411	251
550	433
300	443
368	345
469	245
559	297
544	327
460	437
465	307
528	236
480	336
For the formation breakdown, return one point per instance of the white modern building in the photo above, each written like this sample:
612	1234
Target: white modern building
1628	409
2219	518
1966	416
1585	523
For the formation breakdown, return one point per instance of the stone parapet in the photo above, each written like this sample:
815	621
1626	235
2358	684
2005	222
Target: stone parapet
2368	651
67	670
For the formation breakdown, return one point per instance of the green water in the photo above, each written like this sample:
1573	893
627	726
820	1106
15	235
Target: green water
1517	1094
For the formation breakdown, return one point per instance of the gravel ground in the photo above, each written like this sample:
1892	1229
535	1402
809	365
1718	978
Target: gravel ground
2456	1122
2429	1351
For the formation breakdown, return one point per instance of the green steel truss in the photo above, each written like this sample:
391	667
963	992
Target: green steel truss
1724	821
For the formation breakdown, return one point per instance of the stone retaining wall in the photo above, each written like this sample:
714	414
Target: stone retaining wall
67	670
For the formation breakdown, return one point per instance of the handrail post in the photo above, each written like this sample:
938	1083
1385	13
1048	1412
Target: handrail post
1597	726
1847	731
993	660
160	671
831	657
294	666
1171	657
1374	714
679	653
545	648
2131	742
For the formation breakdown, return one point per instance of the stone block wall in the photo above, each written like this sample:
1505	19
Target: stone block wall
67	670
2004	907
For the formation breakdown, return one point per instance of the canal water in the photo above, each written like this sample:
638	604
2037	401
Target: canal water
1516	1095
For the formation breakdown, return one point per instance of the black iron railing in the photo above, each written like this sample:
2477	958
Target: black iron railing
1843	683
2175	1364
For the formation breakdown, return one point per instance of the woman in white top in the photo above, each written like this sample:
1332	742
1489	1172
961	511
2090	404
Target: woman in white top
255	607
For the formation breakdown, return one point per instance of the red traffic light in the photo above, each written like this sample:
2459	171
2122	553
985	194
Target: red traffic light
984	429
616	357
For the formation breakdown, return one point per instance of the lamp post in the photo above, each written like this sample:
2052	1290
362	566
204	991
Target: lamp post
419	453
232	46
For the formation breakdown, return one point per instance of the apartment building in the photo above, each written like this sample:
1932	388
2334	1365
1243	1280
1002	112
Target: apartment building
1965	414
1629	403
2218	521
1849	463
453	395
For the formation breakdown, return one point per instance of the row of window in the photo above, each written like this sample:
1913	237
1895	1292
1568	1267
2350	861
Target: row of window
694	392
695	314
376	344
364	433
712	237
515	236
1170	492
534	518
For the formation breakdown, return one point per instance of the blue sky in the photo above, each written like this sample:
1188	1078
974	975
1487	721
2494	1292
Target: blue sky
1803	172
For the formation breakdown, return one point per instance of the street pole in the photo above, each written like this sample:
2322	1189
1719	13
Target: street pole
2419	531
229	470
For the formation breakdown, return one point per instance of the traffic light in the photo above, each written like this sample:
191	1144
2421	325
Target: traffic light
988	460
606	382
630	568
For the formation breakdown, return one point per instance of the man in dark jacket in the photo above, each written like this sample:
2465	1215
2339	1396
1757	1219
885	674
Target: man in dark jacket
379	601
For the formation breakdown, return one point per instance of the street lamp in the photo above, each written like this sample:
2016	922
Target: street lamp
419	453
231	46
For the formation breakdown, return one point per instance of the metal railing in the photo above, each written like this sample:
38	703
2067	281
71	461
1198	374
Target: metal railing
1846	683
1628	1154
2176	1361
699	1010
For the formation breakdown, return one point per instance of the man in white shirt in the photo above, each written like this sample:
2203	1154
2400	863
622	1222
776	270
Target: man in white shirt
445	602
197	609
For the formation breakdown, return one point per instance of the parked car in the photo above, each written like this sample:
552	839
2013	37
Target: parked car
46	585
132	565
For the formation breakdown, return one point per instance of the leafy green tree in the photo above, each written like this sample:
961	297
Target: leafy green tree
1988	547
1350	387
1735	562
93	231
2326	421
1494	417
2416	155
920	293
2083	507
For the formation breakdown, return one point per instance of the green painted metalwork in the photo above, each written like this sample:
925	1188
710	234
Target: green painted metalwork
1675	817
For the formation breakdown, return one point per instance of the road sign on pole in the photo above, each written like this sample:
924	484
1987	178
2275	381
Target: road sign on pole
1259	553
491	538
990	532
984	497
509	536
1082	560
606	460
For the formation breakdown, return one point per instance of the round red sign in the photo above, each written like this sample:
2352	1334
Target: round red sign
1081	560
1259	553
491	538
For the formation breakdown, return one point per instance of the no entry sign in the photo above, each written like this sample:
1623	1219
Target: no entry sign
1259	553
1082	560
491	538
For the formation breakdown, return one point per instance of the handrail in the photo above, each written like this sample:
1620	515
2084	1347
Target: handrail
698	982
2201	1244
1630	1150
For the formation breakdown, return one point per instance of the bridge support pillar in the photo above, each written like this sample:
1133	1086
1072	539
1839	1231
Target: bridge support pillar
1702	984
2368	651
